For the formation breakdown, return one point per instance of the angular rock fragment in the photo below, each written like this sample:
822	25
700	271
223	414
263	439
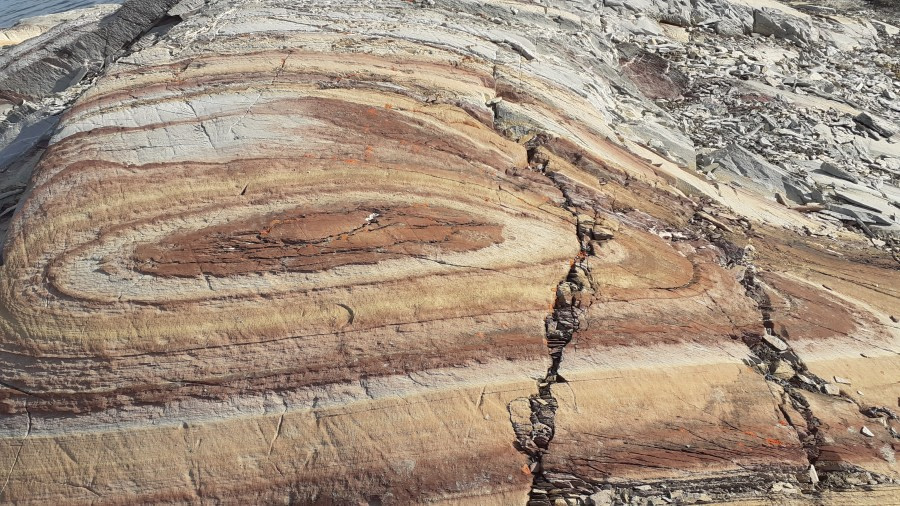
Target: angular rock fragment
769	22
834	170
831	389
775	342
883	127
739	165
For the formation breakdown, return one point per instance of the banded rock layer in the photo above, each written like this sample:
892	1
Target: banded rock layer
299	252
365	249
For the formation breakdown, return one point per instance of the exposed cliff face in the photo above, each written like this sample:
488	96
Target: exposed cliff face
443	251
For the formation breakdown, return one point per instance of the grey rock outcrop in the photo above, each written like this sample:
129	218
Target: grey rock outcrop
768	22
51	63
881	126
741	166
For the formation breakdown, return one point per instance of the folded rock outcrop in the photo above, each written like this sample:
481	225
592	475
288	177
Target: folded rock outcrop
444	251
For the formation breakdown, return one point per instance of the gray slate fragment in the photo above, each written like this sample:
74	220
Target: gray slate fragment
833	170
782	26
866	201
849	212
729	28
602	498
749	169
21	131
831	389
775	342
881	126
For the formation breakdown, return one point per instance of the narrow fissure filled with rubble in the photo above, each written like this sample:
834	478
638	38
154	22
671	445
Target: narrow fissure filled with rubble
773	357
568	307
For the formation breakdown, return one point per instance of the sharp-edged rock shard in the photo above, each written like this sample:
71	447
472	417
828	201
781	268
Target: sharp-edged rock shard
448	251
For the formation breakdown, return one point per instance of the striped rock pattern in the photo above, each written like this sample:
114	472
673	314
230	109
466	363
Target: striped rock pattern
303	252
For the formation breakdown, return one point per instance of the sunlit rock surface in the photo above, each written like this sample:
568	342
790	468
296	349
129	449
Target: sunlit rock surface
407	252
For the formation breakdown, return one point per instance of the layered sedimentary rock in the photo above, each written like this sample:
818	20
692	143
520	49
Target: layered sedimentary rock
367	266
303	252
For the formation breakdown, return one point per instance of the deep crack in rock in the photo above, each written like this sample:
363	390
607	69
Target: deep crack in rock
770	353
572	299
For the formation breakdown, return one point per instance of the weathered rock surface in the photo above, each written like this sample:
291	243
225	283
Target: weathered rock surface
444	251
51	63
38	25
